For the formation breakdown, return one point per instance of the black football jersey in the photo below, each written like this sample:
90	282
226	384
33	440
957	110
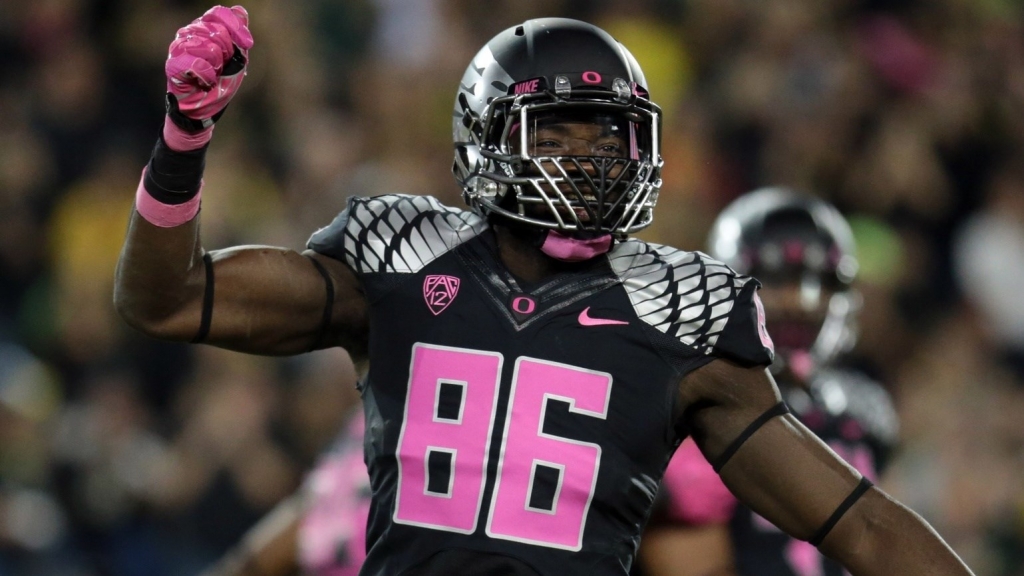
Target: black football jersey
850	412
515	428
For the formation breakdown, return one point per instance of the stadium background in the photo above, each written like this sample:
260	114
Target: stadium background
121	455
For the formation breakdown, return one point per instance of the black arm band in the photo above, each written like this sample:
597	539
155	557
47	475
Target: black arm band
207	317
174	177
859	491
325	320
777	410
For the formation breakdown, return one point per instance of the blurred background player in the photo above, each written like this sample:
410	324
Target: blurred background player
802	250
321	530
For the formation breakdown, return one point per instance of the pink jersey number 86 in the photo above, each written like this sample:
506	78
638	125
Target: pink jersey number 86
463	437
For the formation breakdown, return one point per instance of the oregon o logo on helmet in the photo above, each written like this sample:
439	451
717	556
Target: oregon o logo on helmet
591	77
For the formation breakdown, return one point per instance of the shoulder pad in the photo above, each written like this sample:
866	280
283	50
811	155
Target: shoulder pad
394	233
694	298
855	394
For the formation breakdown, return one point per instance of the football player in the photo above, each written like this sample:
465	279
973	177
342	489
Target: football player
802	250
531	369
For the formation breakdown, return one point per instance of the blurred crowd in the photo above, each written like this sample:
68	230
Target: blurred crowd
120	455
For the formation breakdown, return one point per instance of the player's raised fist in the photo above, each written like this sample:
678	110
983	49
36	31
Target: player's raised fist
205	66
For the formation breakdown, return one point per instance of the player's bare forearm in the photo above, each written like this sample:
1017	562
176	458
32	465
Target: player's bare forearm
266	300
159	281
880	536
160	276
789	476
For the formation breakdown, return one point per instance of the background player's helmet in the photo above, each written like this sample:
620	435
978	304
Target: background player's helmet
556	68
782	236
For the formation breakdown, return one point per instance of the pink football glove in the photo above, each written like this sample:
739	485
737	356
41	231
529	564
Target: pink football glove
205	66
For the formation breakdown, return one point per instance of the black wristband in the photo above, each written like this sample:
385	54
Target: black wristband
174	177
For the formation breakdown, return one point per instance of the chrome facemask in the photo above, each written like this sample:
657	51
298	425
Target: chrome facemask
595	194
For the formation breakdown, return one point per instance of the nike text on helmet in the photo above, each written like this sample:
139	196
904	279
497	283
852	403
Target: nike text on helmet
556	68
778	232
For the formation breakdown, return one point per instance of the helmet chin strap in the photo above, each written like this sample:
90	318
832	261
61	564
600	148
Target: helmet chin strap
568	249
557	244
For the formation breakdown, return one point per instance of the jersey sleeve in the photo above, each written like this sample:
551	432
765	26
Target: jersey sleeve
695	494
745	339
395	233
701	304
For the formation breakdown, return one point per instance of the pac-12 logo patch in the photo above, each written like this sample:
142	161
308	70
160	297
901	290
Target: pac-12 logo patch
439	291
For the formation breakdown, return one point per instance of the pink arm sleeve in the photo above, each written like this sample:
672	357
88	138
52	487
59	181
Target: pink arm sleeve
695	493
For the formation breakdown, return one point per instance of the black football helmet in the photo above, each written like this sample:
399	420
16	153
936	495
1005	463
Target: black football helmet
550	70
779	235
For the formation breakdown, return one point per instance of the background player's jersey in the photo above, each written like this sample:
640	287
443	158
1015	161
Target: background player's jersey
515	428
850	412
336	503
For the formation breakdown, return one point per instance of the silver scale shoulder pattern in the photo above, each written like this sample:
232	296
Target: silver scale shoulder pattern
402	234
686	295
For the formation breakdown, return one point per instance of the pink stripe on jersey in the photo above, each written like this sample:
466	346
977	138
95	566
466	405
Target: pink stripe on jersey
697	495
165	215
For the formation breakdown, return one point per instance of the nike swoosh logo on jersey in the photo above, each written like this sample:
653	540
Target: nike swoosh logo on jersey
586	320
